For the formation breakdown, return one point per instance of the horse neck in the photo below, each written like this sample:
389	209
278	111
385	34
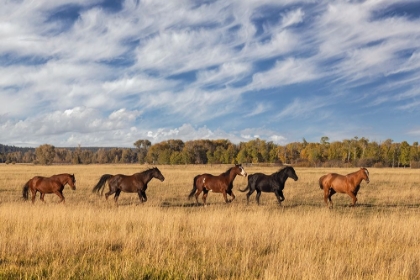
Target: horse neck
232	175
147	175
281	175
64	178
357	177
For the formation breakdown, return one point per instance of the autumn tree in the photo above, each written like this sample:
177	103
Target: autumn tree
45	154
143	146
404	154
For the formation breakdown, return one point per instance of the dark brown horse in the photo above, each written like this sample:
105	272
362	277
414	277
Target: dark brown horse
349	184
269	183
54	184
218	184
136	183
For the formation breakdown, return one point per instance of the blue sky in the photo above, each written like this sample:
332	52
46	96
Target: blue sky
107	73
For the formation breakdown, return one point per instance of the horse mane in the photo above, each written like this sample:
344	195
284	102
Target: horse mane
227	172
147	171
281	171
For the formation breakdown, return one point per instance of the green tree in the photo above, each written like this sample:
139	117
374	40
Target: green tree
176	158
386	153
404	155
414	153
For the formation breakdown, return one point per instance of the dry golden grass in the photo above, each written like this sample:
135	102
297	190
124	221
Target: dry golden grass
169	238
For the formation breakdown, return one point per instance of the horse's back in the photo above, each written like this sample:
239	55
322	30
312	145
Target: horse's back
335	181
263	182
46	184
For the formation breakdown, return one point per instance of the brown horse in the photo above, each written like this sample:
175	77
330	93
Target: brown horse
54	184
349	184
218	184
133	183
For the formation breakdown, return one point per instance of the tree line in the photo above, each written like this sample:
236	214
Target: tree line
349	152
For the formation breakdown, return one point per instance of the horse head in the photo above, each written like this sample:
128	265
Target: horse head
291	173
240	170
365	174
157	174
72	181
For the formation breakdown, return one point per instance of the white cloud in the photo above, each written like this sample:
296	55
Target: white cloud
96	75
285	72
307	108
292	17
259	109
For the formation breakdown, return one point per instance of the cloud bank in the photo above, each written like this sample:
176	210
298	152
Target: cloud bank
107	73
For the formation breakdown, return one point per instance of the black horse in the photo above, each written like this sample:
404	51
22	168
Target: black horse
269	183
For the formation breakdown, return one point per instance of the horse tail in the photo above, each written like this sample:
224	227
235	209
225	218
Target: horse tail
194	189
25	190
101	183
248	186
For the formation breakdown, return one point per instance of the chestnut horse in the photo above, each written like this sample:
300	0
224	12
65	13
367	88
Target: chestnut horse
54	184
136	183
222	183
349	184
269	183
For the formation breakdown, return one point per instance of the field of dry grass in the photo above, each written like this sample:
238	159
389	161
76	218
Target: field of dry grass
168	237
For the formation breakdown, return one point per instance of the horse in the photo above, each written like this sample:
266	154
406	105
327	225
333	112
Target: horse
54	184
222	183
261	182
136	183
349	184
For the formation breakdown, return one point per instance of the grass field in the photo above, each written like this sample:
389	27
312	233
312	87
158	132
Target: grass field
168	237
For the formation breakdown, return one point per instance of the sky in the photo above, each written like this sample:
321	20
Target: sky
102	73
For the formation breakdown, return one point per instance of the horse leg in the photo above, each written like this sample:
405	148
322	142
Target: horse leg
196	195
111	191
225	197
33	195
330	194
205	193
60	195
117	194
230	192
258	196
144	197
353	197
279	195
42	197
251	191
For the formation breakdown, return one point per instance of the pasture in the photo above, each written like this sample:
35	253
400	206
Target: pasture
168	237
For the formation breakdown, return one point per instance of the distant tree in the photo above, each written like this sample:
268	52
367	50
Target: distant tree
176	158
102	156
29	156
414	153
386	154
45	154
404	155
127	156
143	146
